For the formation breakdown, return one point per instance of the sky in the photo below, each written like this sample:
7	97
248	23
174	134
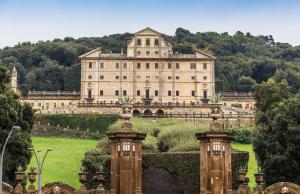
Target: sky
34	20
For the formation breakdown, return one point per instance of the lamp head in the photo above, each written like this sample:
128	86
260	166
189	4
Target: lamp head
49	149
16	128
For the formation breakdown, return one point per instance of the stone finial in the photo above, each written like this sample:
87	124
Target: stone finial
126	115
19	176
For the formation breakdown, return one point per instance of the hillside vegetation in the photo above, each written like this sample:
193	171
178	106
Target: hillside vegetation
242	59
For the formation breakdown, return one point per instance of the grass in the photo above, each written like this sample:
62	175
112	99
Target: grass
64	162
252	165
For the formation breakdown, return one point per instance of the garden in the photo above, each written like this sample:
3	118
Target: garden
167	136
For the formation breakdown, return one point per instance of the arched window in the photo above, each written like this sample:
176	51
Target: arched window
156	42
139	42
148	42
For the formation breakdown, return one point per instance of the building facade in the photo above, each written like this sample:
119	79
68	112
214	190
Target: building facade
150	72
157	79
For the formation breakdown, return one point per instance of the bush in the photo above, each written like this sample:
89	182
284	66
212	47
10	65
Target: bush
165	134
185	165
90	122
242	135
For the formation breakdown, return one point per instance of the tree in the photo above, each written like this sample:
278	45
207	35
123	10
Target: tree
245	84
72	78
12	112
277	135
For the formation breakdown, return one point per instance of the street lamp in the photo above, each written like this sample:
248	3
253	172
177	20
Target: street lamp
40	164
15	128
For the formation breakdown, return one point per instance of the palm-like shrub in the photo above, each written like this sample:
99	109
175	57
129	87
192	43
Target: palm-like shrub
217	98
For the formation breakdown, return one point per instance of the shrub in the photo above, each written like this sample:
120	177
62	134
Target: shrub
242	135
90	122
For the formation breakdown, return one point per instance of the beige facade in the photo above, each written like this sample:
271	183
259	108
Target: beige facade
149	72
159	80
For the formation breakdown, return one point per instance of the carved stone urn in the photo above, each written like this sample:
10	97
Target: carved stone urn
259	178
241	177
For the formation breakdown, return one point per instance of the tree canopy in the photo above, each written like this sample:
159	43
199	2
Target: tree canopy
12	113
277	135
242	59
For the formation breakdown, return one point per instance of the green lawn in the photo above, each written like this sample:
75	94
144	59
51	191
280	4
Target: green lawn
252	165
63	163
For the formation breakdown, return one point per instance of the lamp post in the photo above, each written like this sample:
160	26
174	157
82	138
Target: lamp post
15	128
40	164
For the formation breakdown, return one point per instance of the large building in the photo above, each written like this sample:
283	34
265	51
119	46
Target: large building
157	79
150	72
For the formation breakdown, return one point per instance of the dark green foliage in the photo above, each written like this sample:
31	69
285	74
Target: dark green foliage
277	135
12	113
91	122
242	135
185	165
242	59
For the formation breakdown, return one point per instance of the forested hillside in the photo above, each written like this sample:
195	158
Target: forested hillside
242	59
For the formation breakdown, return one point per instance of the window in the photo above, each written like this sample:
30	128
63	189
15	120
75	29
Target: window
89	93
124	93
125	65
193	66
216	146
138	77
177	77
147	65
147	53
169	66
39	104
101	65
139	42
117	65
156	65
101	76
204	77
156	42
204	65
156	92
177	65
138	92
117	77
169	93
116	92
156	77
101	92
205	94
193	93
147	77
90	77
138	65
90	65
177	92
125	77
148	42
156	52
169	77
139	53
193	77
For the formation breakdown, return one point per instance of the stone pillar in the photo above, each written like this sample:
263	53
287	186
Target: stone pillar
215	158
126	162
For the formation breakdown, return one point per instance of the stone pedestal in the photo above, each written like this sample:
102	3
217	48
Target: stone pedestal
215	160
126	162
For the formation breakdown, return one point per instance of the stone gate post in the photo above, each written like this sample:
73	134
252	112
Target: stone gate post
215	158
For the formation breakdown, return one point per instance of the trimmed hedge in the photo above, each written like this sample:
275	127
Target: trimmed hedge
90	122
185	165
